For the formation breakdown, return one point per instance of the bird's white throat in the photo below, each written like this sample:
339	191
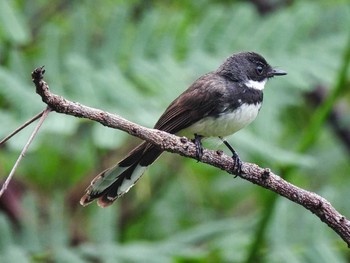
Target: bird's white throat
253	84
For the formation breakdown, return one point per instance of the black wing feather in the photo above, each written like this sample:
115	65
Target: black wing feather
198	101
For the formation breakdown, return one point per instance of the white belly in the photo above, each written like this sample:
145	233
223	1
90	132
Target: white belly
225	124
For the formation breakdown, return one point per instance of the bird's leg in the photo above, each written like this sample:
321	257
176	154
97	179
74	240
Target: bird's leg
199	148
235	157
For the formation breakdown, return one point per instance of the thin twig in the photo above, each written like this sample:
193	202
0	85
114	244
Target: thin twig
25	148
21	127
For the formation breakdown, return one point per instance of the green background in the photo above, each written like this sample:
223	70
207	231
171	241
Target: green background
133	58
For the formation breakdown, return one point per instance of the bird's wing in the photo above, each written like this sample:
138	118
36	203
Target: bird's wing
198	101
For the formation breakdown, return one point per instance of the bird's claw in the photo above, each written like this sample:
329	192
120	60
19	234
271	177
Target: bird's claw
199	147
237	168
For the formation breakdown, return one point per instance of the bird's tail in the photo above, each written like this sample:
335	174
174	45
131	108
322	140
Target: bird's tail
117	180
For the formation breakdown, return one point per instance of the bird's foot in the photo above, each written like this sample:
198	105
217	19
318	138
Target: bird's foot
237	169
199	148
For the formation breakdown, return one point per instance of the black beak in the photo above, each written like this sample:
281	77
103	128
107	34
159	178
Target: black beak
277	72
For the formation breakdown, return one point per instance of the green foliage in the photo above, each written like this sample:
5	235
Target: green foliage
133	58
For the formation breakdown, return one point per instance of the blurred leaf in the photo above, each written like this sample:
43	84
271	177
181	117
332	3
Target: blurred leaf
12	23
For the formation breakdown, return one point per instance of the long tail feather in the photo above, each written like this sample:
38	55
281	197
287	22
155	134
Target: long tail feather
117	180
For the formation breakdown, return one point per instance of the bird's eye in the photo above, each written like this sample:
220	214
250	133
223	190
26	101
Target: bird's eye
259	69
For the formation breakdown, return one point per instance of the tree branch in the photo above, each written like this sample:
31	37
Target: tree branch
182	146
21	127
42	116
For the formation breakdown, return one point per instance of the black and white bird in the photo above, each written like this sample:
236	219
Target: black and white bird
217	104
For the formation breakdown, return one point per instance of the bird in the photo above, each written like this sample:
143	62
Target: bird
217	104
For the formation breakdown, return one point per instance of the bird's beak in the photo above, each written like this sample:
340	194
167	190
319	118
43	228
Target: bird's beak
277	72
